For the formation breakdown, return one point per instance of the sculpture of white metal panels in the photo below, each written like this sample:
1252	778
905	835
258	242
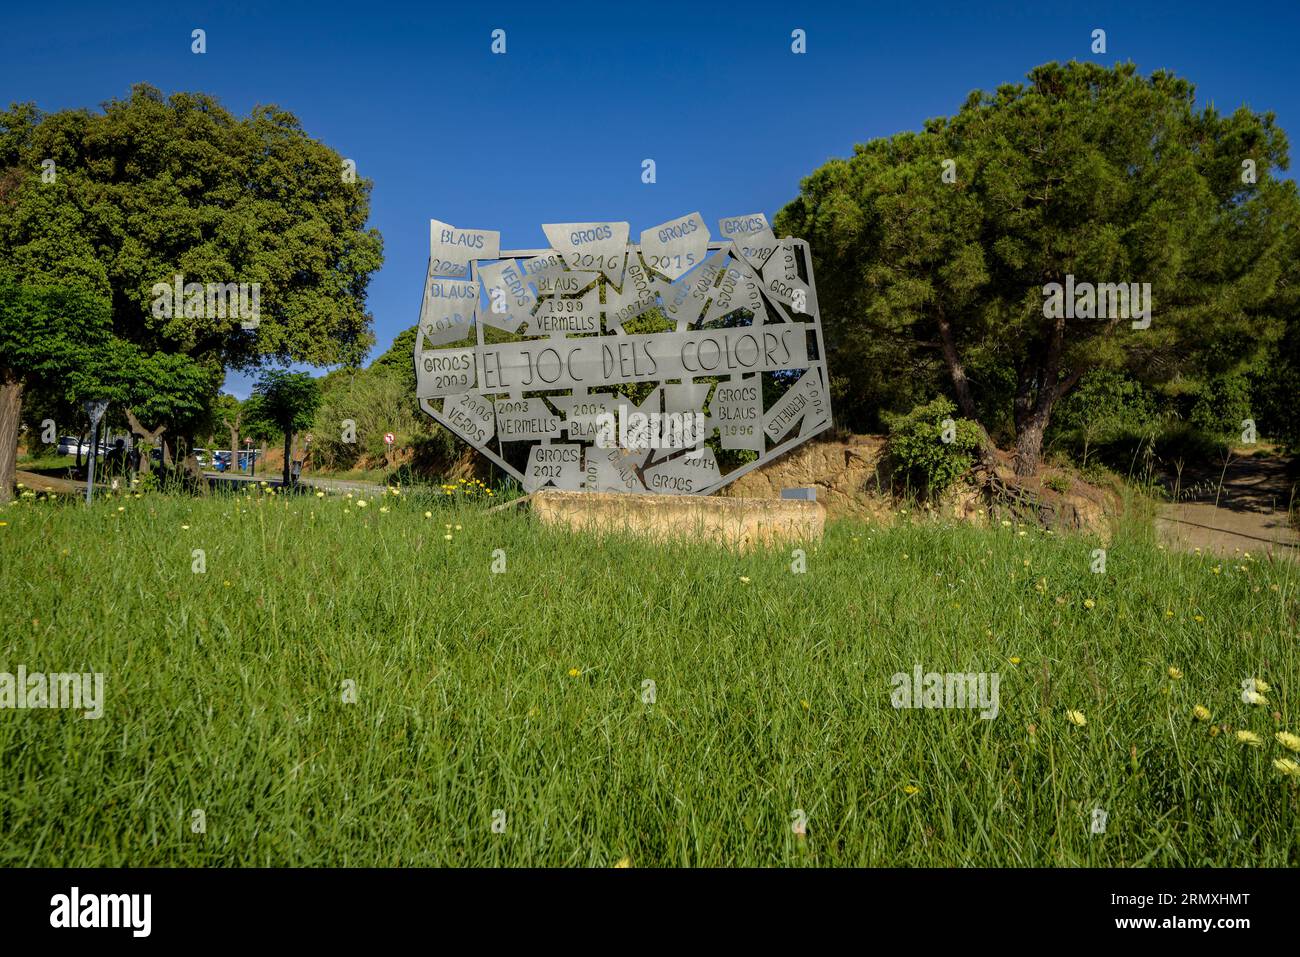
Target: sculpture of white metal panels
671	365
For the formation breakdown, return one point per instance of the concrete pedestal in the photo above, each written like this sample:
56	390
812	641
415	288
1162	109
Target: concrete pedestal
734	522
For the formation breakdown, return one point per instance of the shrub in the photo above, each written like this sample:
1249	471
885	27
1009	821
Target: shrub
1057	483
1107	407
930	448
1222	405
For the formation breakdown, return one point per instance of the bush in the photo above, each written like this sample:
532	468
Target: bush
930	448
1107	408
1057	483
1222	405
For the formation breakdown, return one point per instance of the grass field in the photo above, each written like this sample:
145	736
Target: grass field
524	692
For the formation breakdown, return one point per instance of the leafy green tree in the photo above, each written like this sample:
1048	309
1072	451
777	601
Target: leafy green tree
47	334
378	399
288	401
942	243
228	414
1275	379
156	187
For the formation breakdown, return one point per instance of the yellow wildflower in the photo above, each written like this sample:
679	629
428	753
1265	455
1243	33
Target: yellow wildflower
1288	740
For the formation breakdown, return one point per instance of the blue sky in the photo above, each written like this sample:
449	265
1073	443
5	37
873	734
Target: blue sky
557	128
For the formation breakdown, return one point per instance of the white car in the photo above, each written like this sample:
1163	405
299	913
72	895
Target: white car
69	445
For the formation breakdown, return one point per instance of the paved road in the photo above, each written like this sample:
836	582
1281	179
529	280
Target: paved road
1250	514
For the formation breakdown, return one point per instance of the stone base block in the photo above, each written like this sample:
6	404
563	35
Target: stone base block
734	522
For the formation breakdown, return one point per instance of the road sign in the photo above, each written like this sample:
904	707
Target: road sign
389	438
95	409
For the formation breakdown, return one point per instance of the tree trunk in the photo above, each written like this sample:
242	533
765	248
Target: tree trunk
11	412
150	437
288	452
1029	443
81	440
234	440
961	387
1040	387
960	384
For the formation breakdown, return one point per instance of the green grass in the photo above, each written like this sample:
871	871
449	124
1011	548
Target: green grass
39	463
772	695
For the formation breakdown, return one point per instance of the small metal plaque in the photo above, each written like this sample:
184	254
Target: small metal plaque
582	413
564	283
587	246
781	281
509	300
752	235
674	248
614	470
637	297
738	411
799	494
447	313
566	315
808	397
452	250
470	416
683	475
522	420
558	465
738	288
442	371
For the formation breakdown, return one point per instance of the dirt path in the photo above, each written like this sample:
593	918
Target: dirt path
329	485
1251	514
48	483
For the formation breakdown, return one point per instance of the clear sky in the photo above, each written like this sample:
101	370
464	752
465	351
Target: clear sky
556	129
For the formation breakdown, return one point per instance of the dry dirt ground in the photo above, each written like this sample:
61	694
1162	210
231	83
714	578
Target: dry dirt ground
1247	512
48	483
